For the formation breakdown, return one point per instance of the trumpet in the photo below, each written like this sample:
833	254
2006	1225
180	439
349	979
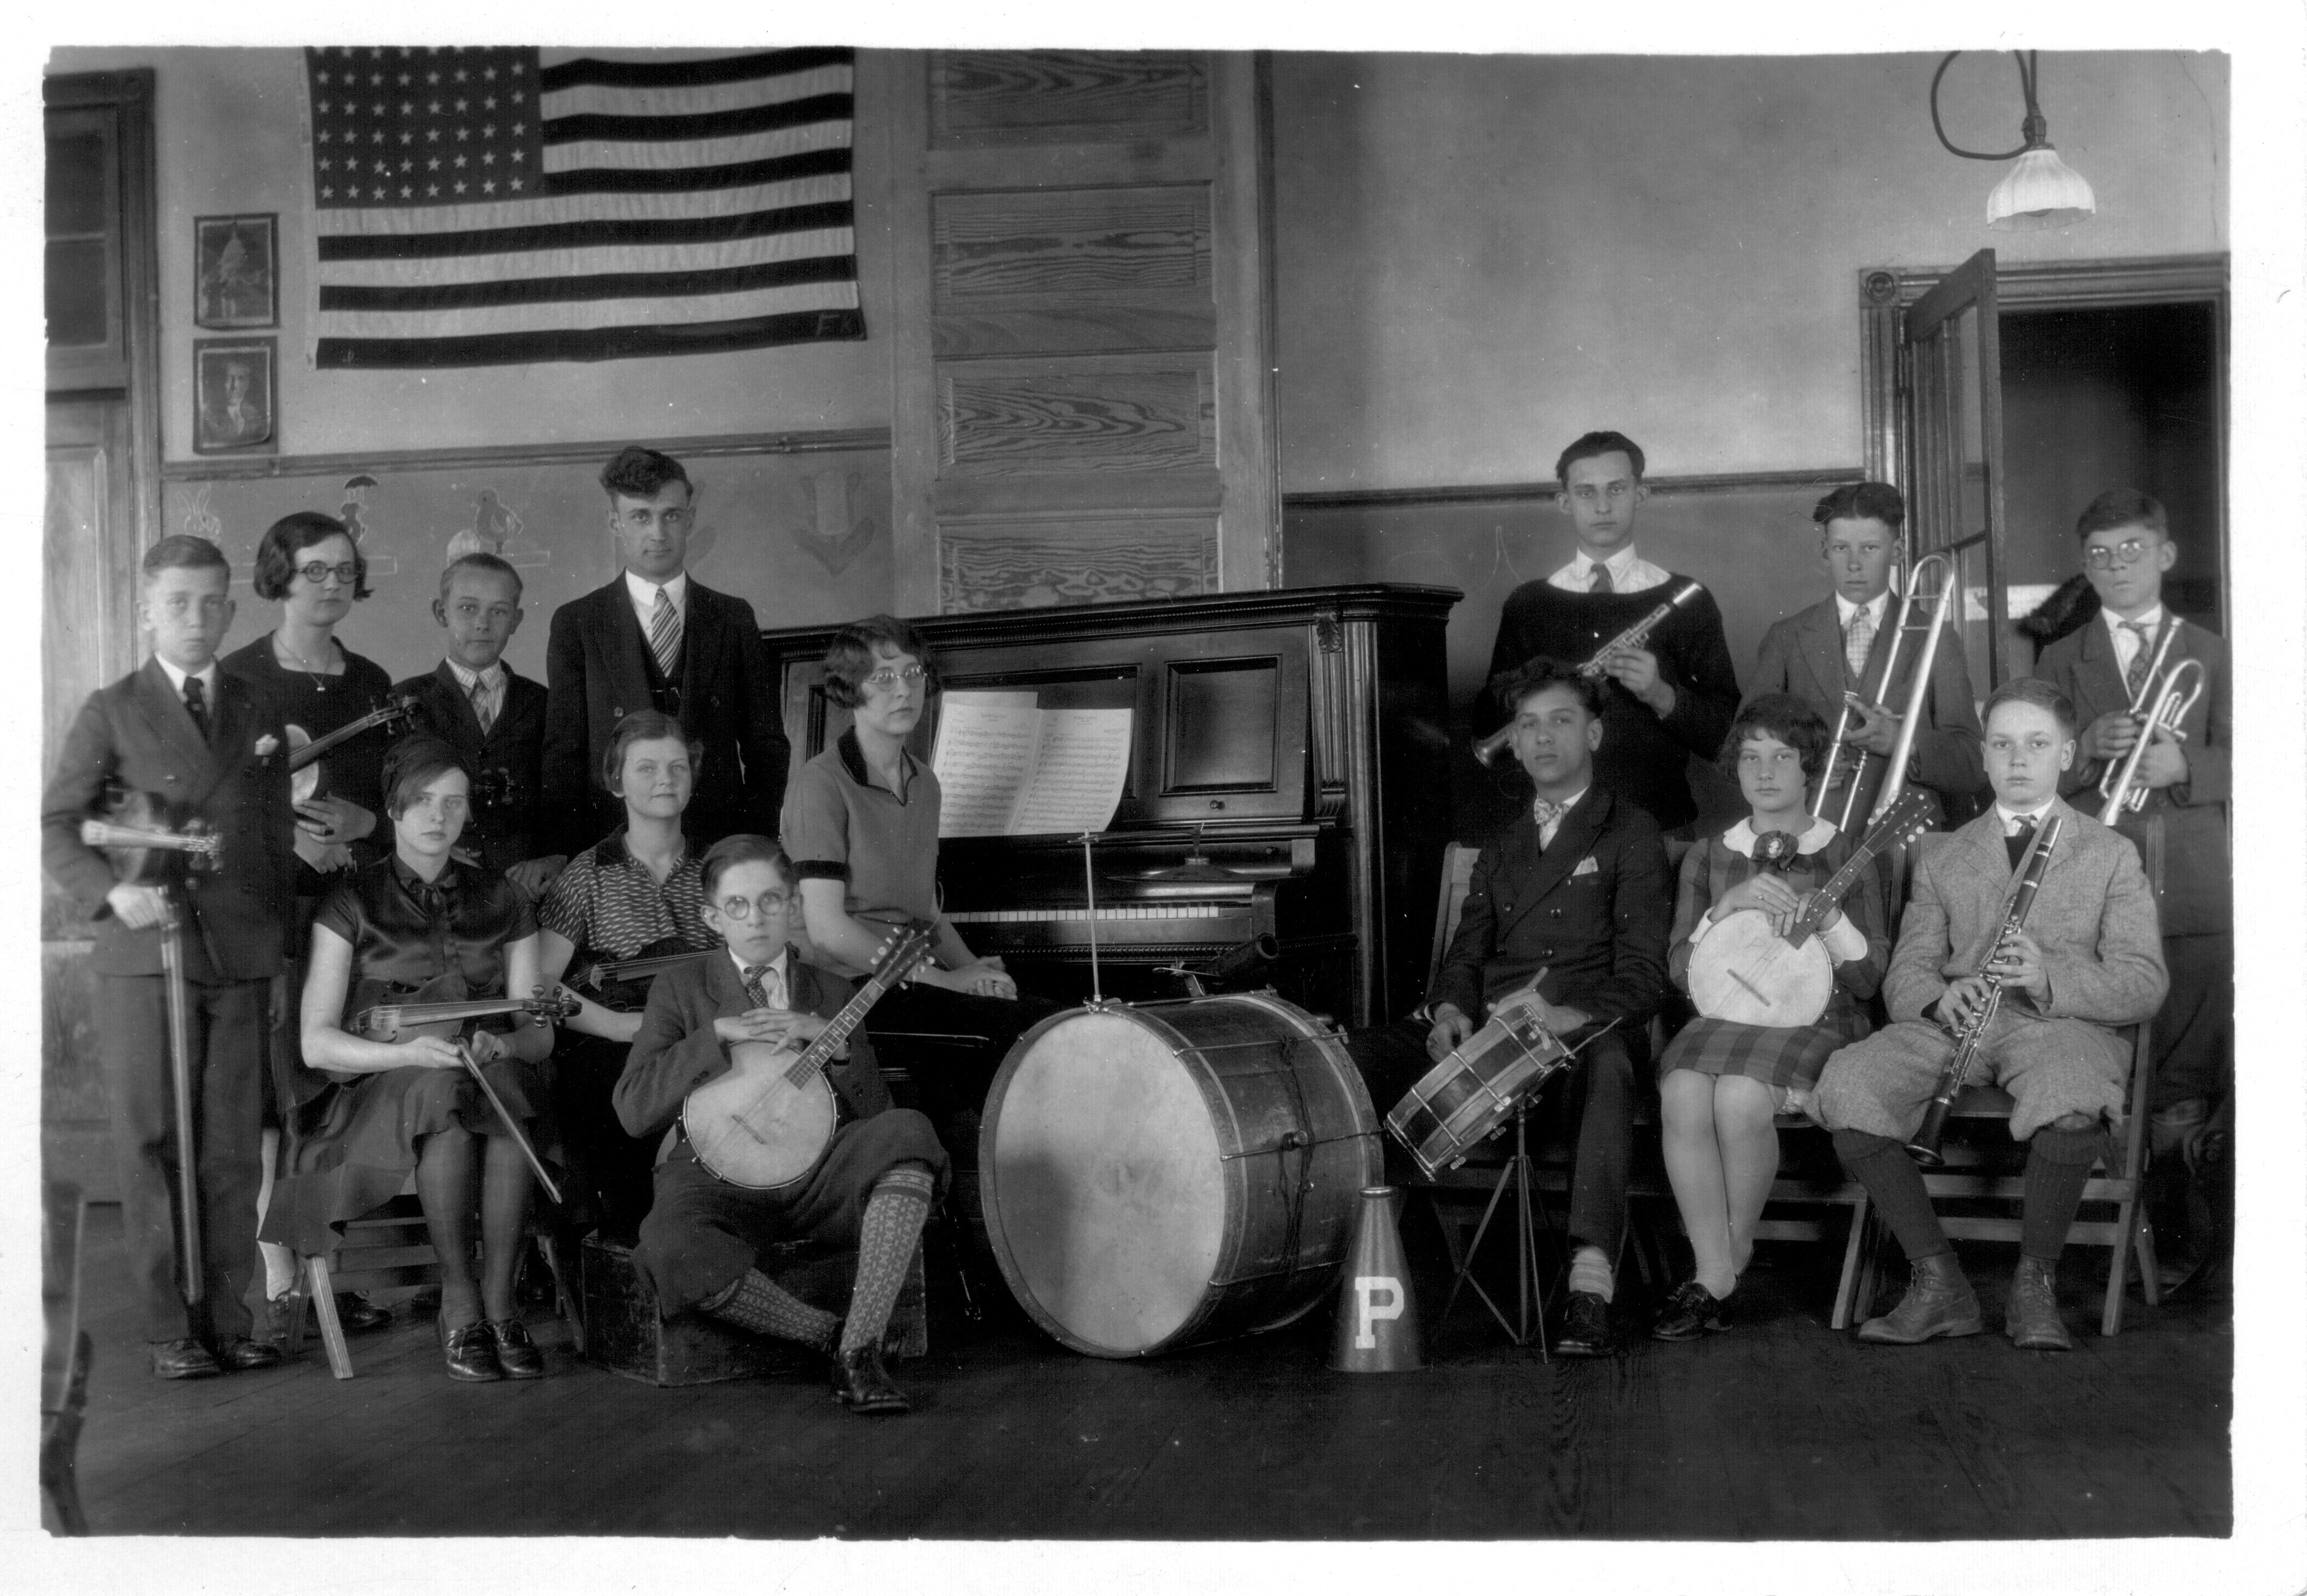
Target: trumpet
1488	749
2170	703
1850	762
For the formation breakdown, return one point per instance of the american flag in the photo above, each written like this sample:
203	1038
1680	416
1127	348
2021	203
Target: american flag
487	206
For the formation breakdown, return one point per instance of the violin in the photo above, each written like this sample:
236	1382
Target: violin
304	750
392	1011
622	985
139	835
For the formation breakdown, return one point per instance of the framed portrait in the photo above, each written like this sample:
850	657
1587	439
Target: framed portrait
234	396
236	271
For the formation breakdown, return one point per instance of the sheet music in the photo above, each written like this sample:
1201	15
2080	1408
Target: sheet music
1078	772
984	755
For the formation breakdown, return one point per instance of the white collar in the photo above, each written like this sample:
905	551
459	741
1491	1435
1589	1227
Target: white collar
644	592
207	677
1741	838
1621	564
495	676
2007	816
776	964
2152	620
1844	609
1568	803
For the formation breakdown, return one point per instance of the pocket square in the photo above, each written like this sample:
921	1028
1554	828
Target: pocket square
1586	867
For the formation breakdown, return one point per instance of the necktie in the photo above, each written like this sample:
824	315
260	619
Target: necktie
1857	642
484	708
664	632
1599	582
2135	677
196	704
2016	835
765	986
1549	814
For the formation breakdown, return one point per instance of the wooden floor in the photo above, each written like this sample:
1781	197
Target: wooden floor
1779	1428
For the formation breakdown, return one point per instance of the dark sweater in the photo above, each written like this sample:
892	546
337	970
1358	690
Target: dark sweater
1642	756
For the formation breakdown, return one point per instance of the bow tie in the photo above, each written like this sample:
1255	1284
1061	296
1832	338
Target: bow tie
1549	814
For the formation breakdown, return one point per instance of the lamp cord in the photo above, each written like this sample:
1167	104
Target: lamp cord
2032	128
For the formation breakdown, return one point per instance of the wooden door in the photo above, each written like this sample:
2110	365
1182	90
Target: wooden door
1951	403
1083	407
102	511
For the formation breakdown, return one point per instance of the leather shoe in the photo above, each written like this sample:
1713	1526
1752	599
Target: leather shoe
1585	1326
517	1355
1692	1311
356	1312
184	1359
2030	1313
1939	1301
236	1354
864	1385
470	1351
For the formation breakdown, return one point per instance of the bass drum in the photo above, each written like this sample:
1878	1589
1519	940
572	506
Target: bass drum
1165	1174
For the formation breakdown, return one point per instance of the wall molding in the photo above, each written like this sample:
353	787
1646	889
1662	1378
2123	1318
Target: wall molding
518	454
1543	493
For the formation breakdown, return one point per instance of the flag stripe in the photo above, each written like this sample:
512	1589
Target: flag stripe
586	314
602	343
592	285
577	263
642	207
698	124
584	235
695	153
686	101
679	74
631	180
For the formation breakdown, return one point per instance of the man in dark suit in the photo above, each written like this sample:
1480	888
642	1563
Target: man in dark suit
1841	644
2127	546
1576	894
180	730
655	639
492	716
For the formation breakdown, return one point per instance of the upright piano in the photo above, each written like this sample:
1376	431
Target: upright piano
1289	777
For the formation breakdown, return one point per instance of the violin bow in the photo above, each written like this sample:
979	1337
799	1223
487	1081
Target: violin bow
472	1068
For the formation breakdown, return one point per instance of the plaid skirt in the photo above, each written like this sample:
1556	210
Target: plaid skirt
1785	1057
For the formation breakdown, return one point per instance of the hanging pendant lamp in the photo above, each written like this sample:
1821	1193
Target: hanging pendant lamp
2040	191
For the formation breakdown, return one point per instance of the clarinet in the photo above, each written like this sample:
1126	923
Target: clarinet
1924	1145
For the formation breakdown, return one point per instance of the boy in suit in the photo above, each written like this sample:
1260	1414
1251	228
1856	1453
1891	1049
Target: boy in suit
1662	702
655	639
1839	645
1577	888
872	1187
2088	961
180	730
493	718
2127	546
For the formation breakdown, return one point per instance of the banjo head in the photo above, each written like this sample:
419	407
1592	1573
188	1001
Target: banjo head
1746	973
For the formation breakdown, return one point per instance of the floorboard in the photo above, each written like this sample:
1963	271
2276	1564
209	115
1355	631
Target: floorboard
1778	1428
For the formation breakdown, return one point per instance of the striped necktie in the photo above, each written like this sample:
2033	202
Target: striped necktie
765	986
664	633
484	708
2135	677
1857	642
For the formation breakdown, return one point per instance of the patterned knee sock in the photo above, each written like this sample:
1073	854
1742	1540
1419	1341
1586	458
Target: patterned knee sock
1590	1271
892	1228
2058	1164
755	1302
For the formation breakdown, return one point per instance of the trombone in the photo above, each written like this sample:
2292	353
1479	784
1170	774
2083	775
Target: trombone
2170	704
1838	751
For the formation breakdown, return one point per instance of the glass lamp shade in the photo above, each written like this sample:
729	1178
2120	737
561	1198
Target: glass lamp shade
2041	191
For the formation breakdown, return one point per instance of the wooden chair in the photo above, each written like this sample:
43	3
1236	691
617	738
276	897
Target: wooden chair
65	1362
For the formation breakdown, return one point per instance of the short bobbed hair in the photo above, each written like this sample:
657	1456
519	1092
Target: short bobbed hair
291	535
414	763
1508	689
1789	719
743	847
854	655
645	725
2031	690
1861	502
638	472
2122	507
180	551
1593	446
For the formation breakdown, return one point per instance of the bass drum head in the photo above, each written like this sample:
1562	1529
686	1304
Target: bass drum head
1105	1195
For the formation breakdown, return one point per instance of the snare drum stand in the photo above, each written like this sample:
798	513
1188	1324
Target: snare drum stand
1530	1292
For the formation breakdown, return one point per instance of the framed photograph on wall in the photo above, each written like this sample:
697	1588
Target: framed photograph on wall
234	397
236	271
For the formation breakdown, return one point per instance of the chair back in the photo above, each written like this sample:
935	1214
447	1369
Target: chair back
1457	880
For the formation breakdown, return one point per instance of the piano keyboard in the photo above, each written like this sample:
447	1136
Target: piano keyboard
1104	913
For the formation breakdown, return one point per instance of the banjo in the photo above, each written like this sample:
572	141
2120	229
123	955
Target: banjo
765	1124
1744	970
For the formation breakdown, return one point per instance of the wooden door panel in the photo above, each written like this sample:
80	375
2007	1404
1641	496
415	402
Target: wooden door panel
1008	563
1011	97
1093	417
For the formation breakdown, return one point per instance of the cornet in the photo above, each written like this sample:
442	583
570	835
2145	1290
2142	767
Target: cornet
1851	762
2170	704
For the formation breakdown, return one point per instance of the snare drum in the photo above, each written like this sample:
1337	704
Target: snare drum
1164	1174
1470	1093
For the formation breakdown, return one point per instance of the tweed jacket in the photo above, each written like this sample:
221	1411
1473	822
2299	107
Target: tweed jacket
2093	916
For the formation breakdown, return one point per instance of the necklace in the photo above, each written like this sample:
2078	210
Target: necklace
280	645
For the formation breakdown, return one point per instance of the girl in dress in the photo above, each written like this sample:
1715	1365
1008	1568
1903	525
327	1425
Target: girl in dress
1722	1083
418	919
